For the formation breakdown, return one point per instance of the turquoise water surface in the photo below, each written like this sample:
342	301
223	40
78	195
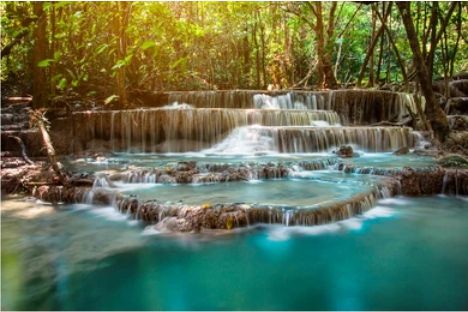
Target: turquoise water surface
305	189
124	160
405	254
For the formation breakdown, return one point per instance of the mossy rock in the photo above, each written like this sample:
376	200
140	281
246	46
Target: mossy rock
453	161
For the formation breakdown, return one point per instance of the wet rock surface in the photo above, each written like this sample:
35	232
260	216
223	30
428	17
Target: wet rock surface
458	122
453	161
208	173
112	130
422	181
457	142
402	151
346	151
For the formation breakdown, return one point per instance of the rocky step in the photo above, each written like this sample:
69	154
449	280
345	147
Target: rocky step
458	122
457	105
31	138
420	181
186	218
190	172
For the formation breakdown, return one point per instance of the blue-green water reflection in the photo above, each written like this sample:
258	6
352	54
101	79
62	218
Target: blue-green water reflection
405	254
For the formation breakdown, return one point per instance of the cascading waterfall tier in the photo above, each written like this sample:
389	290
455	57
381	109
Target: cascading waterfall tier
180	130
169	130
355	107
191	172
257	139
212	118
185	218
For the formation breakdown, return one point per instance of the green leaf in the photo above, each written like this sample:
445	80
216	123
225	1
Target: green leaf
128	59
45	63
110	99
102	48
148	44
62	84
57	55
119	64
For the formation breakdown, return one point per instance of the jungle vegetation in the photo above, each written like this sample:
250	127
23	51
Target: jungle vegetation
105	50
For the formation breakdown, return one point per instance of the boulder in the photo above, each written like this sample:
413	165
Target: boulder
346	151
401	151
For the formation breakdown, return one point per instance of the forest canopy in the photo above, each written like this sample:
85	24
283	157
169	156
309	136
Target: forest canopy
105	49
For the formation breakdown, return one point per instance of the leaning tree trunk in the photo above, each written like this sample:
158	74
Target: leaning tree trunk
435	114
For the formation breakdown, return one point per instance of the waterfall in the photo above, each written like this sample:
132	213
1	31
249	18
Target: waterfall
355	107
214	99
260	139
252	122
185	129
100	192
213	172
226	216
321	214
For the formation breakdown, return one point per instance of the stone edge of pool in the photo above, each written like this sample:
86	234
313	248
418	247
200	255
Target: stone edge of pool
227	216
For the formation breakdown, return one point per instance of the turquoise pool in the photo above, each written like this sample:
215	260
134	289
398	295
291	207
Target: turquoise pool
405	254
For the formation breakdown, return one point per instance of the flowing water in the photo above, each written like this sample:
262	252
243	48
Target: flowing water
295	122
119	161
305	189
390	253
405	254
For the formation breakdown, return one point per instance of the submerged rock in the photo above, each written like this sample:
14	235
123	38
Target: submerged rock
401	151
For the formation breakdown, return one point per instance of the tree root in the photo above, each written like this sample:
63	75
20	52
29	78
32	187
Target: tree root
23	149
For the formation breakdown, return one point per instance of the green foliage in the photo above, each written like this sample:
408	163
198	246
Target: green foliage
45	63
205	45
111	99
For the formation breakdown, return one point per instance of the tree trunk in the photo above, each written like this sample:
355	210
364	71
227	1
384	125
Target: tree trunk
457	41
39	53
257	54
262	40
371	61
381	52
435	114
52	49
246	54
369	54
121	21
394	47
437	35
326	77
